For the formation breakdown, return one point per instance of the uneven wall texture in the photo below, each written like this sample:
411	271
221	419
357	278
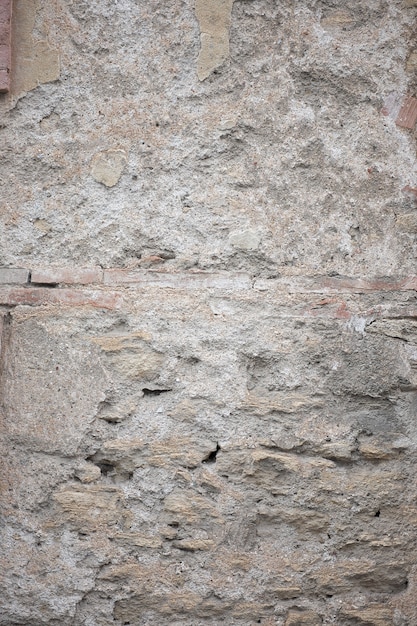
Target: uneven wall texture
208	307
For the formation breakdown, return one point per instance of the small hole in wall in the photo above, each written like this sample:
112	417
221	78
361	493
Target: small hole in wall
104	466
211	458
154	392
378	513
193	360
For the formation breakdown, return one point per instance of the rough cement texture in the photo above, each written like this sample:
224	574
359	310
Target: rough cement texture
208	346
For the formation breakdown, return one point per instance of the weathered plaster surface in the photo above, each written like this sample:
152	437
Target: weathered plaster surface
208	314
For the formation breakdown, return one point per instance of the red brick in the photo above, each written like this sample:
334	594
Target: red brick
359	285
172	280
67	275
5	10
337	285
407	117
13	296
1	335
13	276
4	81
5	44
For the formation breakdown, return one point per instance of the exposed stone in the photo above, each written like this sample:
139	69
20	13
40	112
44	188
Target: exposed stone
373	615
107	166
412	61
214	20
131	355
87	472
189	506
38	358
407	222
303	618
138	540
91	507
191	545
339	19
245	240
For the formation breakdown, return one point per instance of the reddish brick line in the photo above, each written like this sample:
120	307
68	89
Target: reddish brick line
5	44
325	308
176	280
1	336
35	296
67	276
13	276
331	308
139	278
336	285
359	285
126	277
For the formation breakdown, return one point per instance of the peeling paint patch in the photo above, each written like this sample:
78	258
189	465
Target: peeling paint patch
214	20
33	61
